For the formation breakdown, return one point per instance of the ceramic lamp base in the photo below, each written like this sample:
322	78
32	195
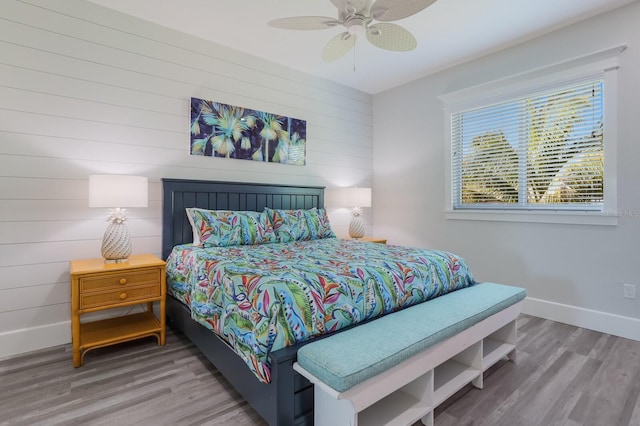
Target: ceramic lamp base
116	243
356	227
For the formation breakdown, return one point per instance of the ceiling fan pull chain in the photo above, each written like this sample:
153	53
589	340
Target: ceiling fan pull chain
354	58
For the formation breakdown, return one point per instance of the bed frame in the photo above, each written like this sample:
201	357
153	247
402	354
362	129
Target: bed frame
288	399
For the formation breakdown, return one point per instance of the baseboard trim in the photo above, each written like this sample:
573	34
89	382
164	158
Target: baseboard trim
16	342
603	322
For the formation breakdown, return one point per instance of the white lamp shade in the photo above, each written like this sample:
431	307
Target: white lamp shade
349	197
360	197
118	191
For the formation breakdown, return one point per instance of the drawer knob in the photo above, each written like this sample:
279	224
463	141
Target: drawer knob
123	296
123	281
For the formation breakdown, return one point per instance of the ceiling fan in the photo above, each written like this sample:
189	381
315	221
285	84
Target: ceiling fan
360	16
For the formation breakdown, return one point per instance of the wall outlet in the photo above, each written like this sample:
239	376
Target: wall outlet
629	291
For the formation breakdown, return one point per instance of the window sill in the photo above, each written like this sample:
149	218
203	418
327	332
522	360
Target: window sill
562	217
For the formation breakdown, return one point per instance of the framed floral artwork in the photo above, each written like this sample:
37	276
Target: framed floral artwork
221	130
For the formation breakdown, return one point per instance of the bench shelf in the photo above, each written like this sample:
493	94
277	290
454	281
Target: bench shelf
457	376
419	384
397	408
498	345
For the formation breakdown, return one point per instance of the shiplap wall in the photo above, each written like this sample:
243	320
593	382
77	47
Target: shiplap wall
86	90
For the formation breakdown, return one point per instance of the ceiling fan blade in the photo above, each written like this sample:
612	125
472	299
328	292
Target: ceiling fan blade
350	6
304	23
338	46
392	10
391	37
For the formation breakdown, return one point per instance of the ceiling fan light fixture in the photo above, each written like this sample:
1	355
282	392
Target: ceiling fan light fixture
356	25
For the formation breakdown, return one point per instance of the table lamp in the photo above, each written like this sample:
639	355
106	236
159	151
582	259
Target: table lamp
115	192
356	199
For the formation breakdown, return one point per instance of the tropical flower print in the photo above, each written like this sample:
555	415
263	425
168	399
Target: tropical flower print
220	228
266	297
300	225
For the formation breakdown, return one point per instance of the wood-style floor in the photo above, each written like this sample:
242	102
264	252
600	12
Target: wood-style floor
564	376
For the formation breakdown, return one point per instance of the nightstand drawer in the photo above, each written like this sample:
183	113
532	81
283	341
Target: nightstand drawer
92	300
119	279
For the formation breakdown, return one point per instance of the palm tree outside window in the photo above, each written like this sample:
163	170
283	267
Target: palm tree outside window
541	151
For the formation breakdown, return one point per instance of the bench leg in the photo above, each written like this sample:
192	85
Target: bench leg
478	382
328	411
428	419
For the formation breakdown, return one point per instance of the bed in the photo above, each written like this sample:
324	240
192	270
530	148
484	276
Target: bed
267	380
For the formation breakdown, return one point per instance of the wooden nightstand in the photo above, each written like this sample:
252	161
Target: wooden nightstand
96	286
369	239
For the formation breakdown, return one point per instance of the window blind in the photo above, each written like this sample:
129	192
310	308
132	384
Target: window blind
540	151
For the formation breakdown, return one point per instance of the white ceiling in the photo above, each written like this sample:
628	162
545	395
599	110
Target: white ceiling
448	32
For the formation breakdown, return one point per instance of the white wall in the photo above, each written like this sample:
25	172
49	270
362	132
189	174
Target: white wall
576	265
86	90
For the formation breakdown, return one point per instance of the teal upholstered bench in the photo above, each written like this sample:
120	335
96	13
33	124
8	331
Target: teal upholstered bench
398	368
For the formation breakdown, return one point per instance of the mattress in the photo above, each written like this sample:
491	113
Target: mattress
260	298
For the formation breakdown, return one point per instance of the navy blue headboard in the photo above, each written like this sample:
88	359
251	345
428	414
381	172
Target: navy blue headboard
179	194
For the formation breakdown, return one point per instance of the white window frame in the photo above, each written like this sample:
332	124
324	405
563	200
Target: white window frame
600	65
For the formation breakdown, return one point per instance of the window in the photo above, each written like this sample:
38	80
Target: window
536	147
539	151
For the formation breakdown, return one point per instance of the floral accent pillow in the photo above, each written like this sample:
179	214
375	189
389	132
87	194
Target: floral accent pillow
319	225
300	225
222	228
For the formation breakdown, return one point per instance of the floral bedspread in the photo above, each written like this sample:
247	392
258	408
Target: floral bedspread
265	297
